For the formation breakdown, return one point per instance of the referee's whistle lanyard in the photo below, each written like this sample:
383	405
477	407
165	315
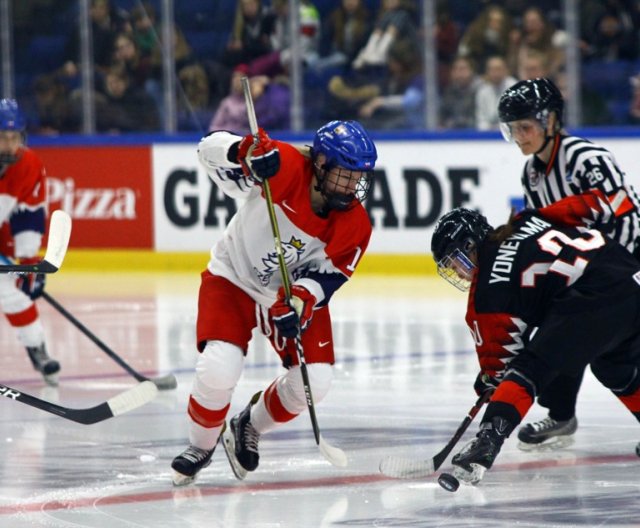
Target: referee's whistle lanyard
554	152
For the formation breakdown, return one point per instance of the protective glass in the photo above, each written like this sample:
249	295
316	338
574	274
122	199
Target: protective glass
457	269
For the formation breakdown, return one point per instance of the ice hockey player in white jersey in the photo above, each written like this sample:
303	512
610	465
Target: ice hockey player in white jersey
317	194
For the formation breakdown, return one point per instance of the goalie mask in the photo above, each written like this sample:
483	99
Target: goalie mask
530	99
349	156
454	243
12	132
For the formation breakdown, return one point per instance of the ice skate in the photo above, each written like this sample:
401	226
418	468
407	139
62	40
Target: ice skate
478	455
188	464
44	364
547	434
240	442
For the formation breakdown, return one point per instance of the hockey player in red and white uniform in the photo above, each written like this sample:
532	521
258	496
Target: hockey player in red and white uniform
324	230
544	300
23	211
562	168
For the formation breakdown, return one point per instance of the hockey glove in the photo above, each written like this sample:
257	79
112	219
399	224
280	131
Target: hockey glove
260	161
32	284
484	383
288	316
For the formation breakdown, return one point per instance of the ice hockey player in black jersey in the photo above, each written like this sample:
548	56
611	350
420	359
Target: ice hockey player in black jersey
559	167
544	300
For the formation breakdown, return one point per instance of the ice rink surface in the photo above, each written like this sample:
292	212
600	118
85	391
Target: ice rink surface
403	383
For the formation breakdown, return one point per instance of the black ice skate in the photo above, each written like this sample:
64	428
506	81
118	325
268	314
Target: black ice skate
188	464
547	434
479	454
240	442
44	364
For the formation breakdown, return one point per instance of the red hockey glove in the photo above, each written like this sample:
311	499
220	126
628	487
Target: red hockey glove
31	284
261	161
485	383
288	317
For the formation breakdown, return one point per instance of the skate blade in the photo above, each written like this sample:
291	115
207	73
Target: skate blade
472	477
557	442
229	444
51	379
182	480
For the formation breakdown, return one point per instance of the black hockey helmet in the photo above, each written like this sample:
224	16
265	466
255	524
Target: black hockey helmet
456	235
531	99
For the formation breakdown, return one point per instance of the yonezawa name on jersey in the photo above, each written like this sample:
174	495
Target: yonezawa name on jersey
503	263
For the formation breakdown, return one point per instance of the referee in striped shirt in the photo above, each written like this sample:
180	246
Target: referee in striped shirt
561	167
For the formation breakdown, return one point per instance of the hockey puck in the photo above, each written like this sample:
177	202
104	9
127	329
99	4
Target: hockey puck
448	482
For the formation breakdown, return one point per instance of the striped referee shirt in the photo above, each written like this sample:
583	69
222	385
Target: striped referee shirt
578	165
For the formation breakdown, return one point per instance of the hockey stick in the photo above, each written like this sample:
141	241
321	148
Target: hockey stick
167	382
406	468
333	454
59	233
121	403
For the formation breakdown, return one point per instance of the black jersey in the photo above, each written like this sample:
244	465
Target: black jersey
538	268
577	166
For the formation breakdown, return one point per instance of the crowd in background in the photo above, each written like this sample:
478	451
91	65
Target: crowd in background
362	59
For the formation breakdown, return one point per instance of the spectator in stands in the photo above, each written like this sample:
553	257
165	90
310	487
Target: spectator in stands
121	107
106	23
396	19
537	34
127	57
271	99
614	37
458	101
534	65
447	35
253	27
183	56
394	102
495	81
193	98
52	113
231	113
143	23
344	33
489	35
278	61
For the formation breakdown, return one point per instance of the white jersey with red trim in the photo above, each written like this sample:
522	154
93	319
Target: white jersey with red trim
321	253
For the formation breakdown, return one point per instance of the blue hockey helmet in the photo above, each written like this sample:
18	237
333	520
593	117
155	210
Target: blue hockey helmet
351	154
11	118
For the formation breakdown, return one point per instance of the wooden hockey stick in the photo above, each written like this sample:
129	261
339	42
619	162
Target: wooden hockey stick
406	468
122	403
59	233
167	382
333	454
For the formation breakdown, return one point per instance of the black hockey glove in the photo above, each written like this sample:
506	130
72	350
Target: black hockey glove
484	383
259	161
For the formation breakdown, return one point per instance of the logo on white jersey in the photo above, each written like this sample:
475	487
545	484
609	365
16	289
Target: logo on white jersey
292	251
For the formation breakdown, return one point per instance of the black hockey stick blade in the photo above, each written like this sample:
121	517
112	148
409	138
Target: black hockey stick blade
167	382
407	468
120	404
59	234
